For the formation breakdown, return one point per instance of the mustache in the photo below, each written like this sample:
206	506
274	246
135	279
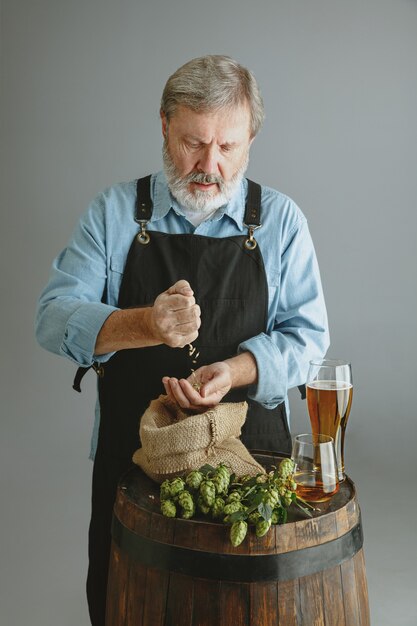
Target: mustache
203	179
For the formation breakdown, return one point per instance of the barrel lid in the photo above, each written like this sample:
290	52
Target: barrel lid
143	493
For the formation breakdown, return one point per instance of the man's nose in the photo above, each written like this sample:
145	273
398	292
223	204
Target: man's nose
208	161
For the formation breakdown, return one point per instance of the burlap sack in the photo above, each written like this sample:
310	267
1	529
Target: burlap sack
174	442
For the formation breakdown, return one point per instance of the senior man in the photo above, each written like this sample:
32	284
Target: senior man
194	267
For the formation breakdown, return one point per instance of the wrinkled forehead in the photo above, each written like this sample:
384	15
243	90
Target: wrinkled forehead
228	125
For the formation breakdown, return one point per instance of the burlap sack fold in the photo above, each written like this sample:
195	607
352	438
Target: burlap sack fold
173	441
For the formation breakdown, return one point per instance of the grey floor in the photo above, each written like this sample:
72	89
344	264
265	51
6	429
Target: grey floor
45	482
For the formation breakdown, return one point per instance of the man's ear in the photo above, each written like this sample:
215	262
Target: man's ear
164	124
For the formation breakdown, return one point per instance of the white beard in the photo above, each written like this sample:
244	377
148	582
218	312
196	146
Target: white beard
202	201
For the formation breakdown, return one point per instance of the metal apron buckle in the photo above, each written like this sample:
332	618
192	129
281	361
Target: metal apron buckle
251	243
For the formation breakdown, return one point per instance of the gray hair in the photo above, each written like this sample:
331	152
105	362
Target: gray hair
213	82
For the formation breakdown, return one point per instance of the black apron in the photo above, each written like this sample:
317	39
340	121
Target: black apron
228	278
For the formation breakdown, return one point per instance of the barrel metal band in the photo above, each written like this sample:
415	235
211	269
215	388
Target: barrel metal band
237	567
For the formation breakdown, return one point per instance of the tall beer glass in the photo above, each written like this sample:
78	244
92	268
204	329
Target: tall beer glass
329	398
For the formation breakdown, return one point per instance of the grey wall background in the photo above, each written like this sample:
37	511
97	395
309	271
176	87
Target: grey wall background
80	87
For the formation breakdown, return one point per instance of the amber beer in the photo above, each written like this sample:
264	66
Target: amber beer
329	403
313	490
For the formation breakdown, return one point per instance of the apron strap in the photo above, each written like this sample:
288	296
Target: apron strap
82	371
253	204
302	390
143	200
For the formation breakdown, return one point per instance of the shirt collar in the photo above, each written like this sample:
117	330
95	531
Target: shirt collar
163	202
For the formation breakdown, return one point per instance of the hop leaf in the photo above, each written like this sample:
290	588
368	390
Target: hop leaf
265	510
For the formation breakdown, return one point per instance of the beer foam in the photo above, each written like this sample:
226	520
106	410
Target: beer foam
330	385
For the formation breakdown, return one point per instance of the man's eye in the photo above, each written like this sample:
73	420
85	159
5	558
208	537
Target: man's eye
226	148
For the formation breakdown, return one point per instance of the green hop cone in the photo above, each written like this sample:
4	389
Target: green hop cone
232	507
275	517
165	490
168	508
176	486
234	496
287	499
224	470
218	507
262	527
188	513
208	492
262	478
254	517
271	500
274	494
238	532
280	485
286	468
203	507
193	480
185	500
220	484
221	479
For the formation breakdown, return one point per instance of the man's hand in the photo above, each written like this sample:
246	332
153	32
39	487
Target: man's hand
214	382
174	319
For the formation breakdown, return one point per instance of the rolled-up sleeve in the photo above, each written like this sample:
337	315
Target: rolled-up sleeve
297	326
70	311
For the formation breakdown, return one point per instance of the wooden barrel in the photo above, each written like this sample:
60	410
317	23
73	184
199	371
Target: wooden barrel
174	572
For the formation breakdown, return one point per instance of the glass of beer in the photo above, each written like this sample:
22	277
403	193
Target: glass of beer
329	398
316	472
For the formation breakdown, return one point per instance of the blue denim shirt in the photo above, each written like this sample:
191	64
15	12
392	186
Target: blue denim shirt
84	283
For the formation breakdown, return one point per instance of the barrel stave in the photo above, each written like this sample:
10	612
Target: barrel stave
264	604
362	588
234	604
334	610
155	604
311	600
207	609
288	602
